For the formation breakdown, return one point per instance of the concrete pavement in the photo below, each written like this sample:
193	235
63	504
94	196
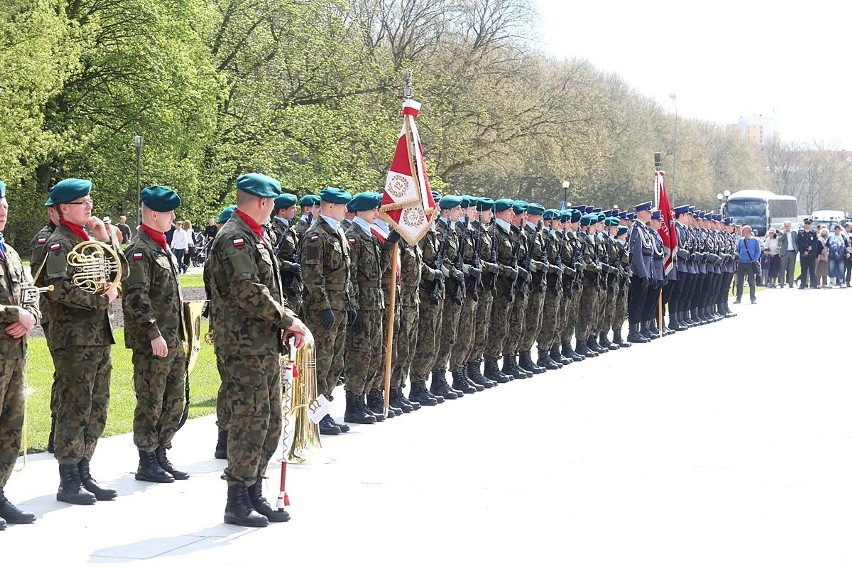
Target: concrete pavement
725	445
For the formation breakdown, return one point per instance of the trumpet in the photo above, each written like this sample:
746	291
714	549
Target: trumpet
30	294
96	265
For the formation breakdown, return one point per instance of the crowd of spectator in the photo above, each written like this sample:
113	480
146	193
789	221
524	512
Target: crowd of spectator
833	253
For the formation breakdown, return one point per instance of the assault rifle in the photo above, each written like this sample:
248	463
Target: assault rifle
458	264
439	263
476	262
514	264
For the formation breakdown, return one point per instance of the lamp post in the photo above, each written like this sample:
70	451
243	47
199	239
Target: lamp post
673	97
723	197
138	142
565	185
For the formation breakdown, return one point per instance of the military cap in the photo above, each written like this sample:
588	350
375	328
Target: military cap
309	200
285	201
335	195
588	219
467	201
226	213
601	216
2	189
260	185
699	214
550	214
565	215
69	190
160	199
436	196
576	216
502	205
631	216
729	220
484	204
608	213
580	208
643	207
450	201
48	203
519	206
656	215
621	230
366	201
596	210
611	221
535	209
622	215
681	209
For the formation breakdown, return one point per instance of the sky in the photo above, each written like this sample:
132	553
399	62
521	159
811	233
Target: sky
722	59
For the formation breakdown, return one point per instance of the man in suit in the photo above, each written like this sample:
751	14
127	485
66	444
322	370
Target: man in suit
787	249
806	241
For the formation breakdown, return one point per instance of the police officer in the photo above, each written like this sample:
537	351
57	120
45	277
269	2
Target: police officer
806	240
81	336
641	253
17	321
250	316
287	249
153	312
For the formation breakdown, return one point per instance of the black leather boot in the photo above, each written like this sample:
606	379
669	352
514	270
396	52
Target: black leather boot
570	352
592	345
239	510
492	372
634	335
583	350
460	383
71	488
12	514
221	452
420	394
545	361
328	427
617	340
376	405
652	327
557	357
525	362
470	381
439	386
164	462
396	401
356	410
262	506
645	331
91	484
604	342
674	322
150	470
477	377
510	367
414	405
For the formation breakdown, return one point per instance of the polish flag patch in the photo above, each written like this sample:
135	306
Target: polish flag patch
351	241
137	256
314	238
239	242
55	246
42	240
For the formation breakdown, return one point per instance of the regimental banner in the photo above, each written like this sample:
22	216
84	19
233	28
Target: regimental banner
667	227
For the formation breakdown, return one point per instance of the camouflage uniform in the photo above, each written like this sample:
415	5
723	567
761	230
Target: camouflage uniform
287	252
504	293
453	299
13	362
490	270
518	309
250	313
620	311
589	297
81	335
38	253
431	309
405	333
553	294
153	305
301	227
537	288
325	273
467	315
572	289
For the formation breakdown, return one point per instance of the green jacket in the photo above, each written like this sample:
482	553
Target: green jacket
12	278
366	269
325	268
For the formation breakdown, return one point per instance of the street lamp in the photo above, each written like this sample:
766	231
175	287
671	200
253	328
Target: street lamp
723	197
565	185
138	142
673	97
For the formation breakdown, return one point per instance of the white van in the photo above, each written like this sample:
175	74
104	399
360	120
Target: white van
828	217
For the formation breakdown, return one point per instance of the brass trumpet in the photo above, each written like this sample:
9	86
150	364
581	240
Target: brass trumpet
96	265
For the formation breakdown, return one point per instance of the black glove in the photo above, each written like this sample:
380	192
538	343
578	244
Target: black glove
350	317
474	272
393	237
327	318
357	321
438	275
523	275
295	269
459	276
658	284
645	281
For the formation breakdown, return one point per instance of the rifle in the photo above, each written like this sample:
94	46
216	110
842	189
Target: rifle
548	244
439	262
526	265
514	264
292	277
579	264
458	264
476	262
493	261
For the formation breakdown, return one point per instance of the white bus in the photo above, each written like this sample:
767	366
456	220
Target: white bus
761	210
829	218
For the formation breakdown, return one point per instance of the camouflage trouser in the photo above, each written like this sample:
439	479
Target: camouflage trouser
607	308
517	320
586	313
428	335
405	340
82	397
221	407
533	319
12	401
572	312
294	298
328	345
549	315
253	398
448	334
464	337
364	353
481	325
498	327
159	384
620	312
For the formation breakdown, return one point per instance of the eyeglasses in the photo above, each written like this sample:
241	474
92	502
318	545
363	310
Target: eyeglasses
85	202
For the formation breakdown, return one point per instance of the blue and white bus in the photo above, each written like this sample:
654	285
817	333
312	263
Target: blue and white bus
761	210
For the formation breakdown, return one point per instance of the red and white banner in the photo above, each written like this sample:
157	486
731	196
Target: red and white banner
407	202
667	227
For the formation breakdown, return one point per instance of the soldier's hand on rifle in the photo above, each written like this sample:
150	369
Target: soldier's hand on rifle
393	237
474	272
357	321
295	268
437	275
645	281
458	275
523	275
327	318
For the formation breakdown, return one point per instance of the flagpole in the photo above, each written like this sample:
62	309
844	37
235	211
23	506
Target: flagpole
658	166
389	334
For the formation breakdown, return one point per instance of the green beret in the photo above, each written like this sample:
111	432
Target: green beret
519	207
48	203
335	195
467	201
484	204
502	205
366	201
2	189
576	216
621	230
285	201
611	221
69	190
226	213
551	214
450	201
535	209
259	184
436	196
600	217
309	200
160	199
589	219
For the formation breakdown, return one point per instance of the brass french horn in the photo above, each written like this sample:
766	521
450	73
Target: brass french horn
95	265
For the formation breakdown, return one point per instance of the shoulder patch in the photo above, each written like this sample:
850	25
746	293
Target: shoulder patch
239	242
55	246
137	256
351	241
42	240
314	238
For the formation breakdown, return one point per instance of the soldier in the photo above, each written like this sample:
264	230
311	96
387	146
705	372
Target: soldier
310	205
506	256
620	312
652	299
18	319
517	314
483	233
611	269
251	316
287	250
553	248
327	299
81	335
38	253
572	288
153	311
678	300
536	289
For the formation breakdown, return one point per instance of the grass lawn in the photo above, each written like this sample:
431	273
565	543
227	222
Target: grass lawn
204	384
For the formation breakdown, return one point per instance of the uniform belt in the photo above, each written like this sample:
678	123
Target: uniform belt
335	287
646	253
387	281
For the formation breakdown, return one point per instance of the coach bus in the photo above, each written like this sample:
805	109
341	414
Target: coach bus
761	209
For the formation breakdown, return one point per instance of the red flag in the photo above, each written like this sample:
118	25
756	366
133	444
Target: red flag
407	202
667	228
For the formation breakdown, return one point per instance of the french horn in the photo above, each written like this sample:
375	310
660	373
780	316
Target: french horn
95	265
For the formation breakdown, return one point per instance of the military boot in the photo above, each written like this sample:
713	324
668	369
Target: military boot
592	346
328	427
583	349
492	372
570	352
420	394
376	404
150	469
239	510
221	451
12	514
262	506
71	487
604	342
439	386
674	322
474	374
634	335
557	357
525	362
91	484
545	361
414	405
164	462
460	382
517	366
469	379
510	367
645	331
652	328
396	402
2	524
356	410
617	340
726	310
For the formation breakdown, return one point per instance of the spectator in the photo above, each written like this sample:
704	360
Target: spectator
211	229
190	244
169	234
848	254
763	277
822	259
837	245
749	252
770	244
124	228
113	231
787	250
180	245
